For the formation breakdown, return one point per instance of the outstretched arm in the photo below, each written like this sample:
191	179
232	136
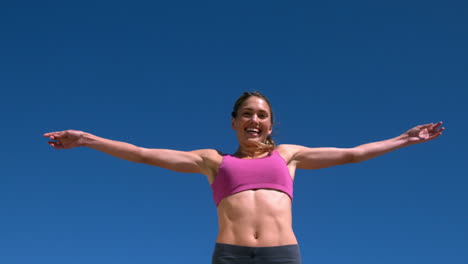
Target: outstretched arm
418	134
317	158
72	138
180	161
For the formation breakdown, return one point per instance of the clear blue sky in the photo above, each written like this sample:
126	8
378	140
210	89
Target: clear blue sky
165	75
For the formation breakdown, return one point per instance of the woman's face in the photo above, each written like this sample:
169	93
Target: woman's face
253	120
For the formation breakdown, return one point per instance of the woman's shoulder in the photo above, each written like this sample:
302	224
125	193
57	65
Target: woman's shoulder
212	155
289	147
211	160
287	151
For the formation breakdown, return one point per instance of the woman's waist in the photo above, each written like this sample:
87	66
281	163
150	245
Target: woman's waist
257	233
258	238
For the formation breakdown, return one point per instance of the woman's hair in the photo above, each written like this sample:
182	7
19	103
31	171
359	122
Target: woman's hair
269	144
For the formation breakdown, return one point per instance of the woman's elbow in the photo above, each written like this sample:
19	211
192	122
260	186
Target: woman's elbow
355	155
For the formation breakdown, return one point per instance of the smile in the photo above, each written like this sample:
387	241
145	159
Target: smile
253	131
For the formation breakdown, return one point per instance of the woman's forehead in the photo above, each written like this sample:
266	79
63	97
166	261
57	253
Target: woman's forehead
254	103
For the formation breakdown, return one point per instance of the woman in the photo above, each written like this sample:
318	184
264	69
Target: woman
252	188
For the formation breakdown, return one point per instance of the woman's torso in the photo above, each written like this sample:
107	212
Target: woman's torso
256	218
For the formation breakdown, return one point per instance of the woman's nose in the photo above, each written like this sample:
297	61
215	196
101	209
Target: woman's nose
255	118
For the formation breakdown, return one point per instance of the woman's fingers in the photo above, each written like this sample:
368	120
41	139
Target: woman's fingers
53	135
428	126
48	134
438	132
56	144
431	128
437	126
63	139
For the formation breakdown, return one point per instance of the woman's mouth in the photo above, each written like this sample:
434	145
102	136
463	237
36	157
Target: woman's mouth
253	132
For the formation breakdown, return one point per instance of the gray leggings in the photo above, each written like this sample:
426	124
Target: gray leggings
234	254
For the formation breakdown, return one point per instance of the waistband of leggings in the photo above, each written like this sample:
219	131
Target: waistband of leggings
267	251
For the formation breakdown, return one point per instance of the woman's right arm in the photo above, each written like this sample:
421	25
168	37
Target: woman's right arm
181	161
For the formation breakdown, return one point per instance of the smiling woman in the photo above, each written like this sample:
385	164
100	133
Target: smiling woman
252	116
253	187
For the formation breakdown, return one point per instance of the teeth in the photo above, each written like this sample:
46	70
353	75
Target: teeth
253	130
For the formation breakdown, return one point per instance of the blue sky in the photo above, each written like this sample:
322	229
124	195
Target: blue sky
165	75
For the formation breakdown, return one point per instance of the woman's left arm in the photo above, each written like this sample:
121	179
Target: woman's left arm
317	158
418	134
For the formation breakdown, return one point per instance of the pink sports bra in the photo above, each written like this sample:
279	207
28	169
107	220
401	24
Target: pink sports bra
236	175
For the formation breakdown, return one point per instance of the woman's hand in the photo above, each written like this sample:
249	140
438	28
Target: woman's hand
423	133
65	139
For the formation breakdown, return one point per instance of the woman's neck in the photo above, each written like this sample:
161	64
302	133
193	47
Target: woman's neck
250	152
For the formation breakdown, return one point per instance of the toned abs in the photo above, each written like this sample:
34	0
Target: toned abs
256	218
